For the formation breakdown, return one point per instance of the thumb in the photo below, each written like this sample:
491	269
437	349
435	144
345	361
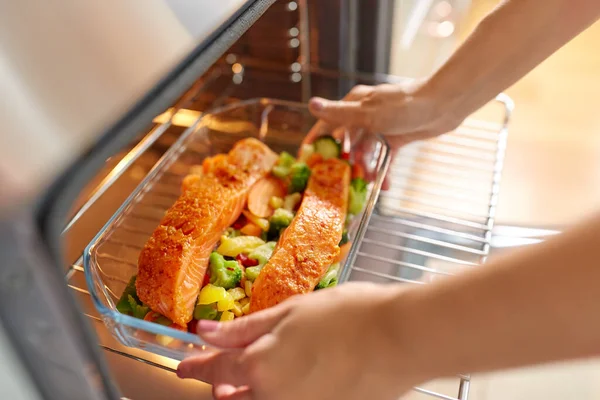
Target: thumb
339	113
241	332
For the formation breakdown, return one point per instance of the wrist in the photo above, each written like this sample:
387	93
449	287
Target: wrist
445	101
424	333
404	338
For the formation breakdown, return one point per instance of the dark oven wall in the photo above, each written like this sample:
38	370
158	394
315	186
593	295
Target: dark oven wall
293	36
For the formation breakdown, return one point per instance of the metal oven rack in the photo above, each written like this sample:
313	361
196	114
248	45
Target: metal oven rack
435	219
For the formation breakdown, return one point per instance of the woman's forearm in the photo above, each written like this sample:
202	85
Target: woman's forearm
506	45
540	304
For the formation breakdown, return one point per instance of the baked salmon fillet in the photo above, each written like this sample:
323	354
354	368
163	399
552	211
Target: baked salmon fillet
309	245
173	262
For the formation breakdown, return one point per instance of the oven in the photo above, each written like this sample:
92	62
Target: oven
63	181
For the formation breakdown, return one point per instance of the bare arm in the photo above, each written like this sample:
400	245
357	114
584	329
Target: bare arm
506	45
538	305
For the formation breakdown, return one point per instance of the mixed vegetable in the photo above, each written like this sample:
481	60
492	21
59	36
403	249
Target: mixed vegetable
248	244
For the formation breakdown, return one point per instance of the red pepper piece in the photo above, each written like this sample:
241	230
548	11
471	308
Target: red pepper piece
192	326
206	279
246	261
240	223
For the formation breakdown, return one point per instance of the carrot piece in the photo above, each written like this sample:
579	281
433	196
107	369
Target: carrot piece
314	159
344	250
358	171
251	230
151	316
262	223
260	195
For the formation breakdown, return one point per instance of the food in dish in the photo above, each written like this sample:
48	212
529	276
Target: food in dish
172	264
250	229
310	244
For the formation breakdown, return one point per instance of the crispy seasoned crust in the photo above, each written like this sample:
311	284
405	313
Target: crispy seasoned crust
172	264
310	244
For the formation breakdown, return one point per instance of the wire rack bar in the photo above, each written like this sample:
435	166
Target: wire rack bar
440	204
416	251
428	227
427	240
455	185
438	217
458	194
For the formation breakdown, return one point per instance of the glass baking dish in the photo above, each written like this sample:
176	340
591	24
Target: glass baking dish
110	260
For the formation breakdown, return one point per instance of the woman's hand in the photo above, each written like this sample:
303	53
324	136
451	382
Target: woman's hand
401	112
368	341
490	60
334	343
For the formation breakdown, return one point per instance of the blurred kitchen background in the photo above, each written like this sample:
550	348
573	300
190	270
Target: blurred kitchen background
552	170
551	176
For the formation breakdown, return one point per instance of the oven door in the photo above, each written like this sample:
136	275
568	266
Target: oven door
67	71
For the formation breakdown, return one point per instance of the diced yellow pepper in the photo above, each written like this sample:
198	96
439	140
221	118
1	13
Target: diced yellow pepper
306	151
237	293
164	340
237	309
276	202
231	247
212	294
291	201
227	316
246	309
260	222
248	288
226	303
244	301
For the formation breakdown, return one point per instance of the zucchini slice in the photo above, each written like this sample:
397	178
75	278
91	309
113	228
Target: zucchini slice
328	147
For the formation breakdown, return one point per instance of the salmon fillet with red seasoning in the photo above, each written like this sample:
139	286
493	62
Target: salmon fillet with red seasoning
172	264
309	245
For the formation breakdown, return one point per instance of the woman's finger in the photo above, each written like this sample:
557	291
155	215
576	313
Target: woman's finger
222	390
215	368
238	395
241	332
226	391
386	183
340	113
321	128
